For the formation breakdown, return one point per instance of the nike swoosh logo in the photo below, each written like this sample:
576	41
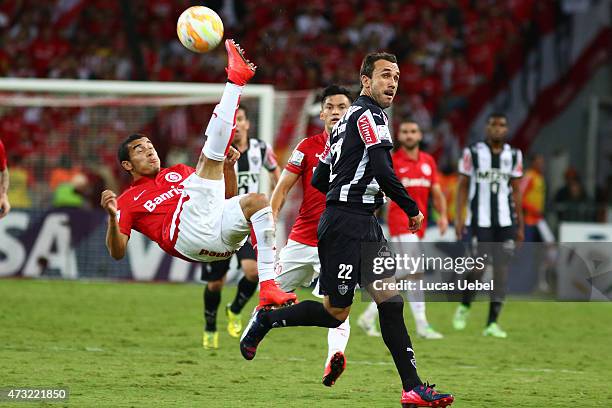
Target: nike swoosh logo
138	196
403	169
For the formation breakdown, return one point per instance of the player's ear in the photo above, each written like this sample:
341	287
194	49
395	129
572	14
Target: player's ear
127	166
366	81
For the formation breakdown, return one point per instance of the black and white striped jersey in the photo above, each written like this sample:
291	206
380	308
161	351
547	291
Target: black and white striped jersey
248	167
490	202
363	127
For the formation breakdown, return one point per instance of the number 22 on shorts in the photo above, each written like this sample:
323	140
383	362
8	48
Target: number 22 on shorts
345	271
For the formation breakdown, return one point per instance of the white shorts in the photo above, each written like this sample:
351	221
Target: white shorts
298	265
210	228
409	244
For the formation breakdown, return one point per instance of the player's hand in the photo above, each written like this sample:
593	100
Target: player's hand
459	229
442	224
414	223
232	157
5	206
108	201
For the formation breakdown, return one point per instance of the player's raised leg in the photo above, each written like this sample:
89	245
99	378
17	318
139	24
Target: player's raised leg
255	207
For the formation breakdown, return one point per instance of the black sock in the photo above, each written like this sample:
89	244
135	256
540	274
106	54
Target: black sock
494	310
211	305
305	313
246	288
395	336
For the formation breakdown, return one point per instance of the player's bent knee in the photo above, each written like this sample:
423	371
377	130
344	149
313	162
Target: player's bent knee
215	286
338	313
253	202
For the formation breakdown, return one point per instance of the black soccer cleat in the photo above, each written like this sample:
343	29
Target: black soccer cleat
253	334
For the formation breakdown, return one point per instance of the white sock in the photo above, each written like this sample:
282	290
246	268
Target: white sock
220	129
416	298
337	338
263	226
371	312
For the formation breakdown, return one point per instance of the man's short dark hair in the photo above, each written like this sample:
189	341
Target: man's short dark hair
123	154
245	110
497	115
409	120
332	90
367	65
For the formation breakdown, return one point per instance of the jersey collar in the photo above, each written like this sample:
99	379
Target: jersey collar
145	179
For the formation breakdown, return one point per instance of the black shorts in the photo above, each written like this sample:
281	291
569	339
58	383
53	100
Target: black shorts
341	235
212	271
495	243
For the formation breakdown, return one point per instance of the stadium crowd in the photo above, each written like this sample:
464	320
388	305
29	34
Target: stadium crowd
448	50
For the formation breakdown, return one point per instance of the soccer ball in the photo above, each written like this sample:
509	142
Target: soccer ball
199	29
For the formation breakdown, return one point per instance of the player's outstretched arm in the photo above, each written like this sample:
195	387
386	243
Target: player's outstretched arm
279	195
320	178
383	172
116	241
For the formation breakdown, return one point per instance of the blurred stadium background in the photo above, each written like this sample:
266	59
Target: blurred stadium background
546	64
77	76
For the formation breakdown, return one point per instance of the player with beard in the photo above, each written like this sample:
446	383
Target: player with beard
356	172
185	210
254	154
299	263
417	171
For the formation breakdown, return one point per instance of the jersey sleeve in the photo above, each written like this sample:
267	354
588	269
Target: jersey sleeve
466	165
2	157
124	216
269	158
517	168
297	161
373	130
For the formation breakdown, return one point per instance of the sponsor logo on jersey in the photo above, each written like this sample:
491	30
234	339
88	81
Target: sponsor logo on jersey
492	176
213	254
366	130
416	182
150	205
173	177
296	158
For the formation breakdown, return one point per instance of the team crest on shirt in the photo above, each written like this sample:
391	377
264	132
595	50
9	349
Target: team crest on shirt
426	169
255	161
342	288
173	177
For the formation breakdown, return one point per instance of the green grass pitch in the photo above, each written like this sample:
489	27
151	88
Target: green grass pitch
131	344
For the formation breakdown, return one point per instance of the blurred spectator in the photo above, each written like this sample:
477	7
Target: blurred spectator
70	193
21	180
533	188
572	202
